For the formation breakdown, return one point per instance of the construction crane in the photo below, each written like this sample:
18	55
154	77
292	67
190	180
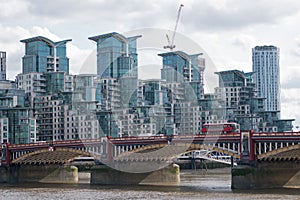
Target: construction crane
171	44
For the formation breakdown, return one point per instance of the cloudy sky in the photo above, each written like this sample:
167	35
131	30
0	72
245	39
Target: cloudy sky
225	30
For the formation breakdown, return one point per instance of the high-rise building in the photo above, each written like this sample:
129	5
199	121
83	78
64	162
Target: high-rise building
183	74
10	95
116	55
154	92
2	65
4	136
117	59
265	65
238	92
181	67
18	125
43	55
32	82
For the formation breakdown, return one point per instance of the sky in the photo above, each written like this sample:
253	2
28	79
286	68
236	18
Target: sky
225	31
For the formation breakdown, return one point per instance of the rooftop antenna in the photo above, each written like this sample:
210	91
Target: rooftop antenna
171	44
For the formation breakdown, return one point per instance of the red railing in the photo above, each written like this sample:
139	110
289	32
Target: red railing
262	134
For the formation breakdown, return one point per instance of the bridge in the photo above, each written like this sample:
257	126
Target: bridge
247	146
278	153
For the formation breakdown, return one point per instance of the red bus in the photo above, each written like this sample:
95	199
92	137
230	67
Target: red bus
222	128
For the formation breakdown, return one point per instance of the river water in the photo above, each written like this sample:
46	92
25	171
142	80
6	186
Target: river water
214	184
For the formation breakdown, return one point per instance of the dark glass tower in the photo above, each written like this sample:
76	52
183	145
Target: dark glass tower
181	67
116	55
43	55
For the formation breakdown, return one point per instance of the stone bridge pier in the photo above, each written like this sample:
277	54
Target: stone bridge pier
266	174
39	174
106	175
277	167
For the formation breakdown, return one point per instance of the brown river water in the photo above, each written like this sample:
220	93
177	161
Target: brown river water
213	184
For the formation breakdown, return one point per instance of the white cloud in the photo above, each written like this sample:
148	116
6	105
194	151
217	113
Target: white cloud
290	77
232	14
224	30
290	104
82	61
244	41
13	8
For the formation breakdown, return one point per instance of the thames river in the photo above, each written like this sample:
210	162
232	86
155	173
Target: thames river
214	184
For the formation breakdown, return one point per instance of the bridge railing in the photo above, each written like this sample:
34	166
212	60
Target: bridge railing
261	134
44	143
174	136
28	145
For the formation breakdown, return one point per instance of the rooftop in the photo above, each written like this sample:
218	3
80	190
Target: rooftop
265	47
116	35
238	72
46	40
179	53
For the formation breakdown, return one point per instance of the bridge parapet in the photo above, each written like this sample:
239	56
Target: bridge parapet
110	149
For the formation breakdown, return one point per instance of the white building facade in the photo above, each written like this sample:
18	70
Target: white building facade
265	65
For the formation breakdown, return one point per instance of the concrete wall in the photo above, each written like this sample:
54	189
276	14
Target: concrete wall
266	175
44	174
105	175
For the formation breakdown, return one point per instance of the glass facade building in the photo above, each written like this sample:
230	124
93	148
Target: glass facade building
181	67
116	55
2	65
43	55
265	65
55	82
21	126
244	107
46	103
10	96
117	60
155	92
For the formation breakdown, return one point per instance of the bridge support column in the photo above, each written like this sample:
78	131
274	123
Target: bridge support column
42	174
105	175
266	175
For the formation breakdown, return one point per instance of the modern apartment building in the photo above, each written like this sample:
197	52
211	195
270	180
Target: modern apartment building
32	82
116	55
265	65
19	125
43	55
46	103
2	65
4	134
183	74
181	67
238	93
45	79
243	106
117	61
